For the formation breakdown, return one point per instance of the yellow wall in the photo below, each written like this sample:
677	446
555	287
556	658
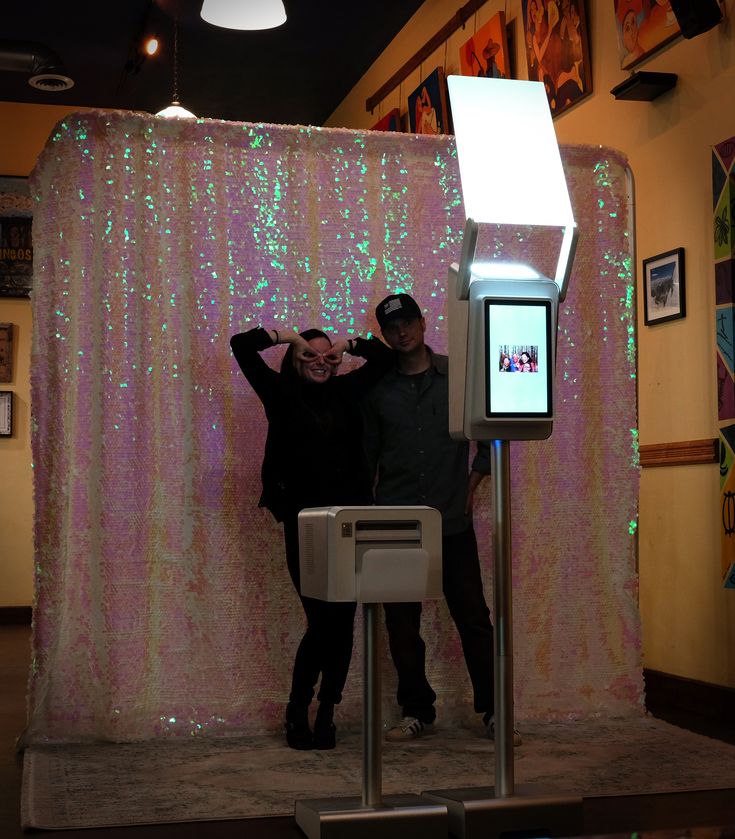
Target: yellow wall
688	618
16	487
22	136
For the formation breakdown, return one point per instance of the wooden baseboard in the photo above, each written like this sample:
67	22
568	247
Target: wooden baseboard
15	615
667	694
682	453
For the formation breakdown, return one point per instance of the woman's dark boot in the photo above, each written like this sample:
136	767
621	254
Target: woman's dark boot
298	733
325	732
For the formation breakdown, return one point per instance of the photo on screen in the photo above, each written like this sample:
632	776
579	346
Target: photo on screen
518	358
518	340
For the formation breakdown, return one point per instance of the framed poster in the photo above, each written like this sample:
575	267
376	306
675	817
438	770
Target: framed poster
6	352
16	244
427	106
663	287
390	122
643	26
557	50
486	52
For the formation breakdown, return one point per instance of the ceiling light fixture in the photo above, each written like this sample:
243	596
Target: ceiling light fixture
151	46
175	109
244	14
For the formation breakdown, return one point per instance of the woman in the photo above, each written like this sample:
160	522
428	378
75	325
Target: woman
313	458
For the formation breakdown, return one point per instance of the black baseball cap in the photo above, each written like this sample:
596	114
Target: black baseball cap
396	306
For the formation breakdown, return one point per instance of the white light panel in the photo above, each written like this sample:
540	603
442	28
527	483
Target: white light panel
509	160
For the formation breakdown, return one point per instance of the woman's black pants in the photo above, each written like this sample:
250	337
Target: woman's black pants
326	646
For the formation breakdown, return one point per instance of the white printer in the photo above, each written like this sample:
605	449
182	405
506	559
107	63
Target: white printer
371	554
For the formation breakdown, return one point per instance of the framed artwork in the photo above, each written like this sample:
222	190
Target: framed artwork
16	244
486	52
557	50
663	287
6	352
390	122
6	413
643	26
427	106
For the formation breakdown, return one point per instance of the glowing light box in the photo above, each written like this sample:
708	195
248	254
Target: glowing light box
508	176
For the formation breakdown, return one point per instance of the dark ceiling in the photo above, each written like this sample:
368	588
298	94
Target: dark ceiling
295	74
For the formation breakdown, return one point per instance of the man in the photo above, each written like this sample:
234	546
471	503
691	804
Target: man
407	442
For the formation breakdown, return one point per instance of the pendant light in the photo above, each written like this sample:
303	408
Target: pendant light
244	14
175	109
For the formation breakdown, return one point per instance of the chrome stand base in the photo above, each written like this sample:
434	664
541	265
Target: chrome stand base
397	817
529	812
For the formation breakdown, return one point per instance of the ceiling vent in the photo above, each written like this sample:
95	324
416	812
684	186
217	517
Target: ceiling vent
52	82
44	68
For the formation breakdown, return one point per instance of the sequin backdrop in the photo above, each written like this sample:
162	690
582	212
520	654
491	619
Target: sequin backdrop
163	604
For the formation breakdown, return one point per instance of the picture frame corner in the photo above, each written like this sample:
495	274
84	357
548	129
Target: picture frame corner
667	291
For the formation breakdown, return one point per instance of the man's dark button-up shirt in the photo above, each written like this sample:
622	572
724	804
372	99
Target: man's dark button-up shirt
407	441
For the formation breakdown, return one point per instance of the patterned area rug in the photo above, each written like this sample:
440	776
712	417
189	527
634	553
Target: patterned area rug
102	785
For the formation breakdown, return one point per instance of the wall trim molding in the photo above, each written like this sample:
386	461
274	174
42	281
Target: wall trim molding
669	694
16	615
682	453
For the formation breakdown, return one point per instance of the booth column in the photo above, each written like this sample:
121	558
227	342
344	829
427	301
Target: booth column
372	735
503	616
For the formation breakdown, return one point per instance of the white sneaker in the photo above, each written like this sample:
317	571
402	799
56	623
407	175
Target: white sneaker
490	731
409	728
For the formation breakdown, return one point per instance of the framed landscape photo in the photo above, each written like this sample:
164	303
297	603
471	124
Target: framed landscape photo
663	287
557	50
427	106
486	53
643	27
16	244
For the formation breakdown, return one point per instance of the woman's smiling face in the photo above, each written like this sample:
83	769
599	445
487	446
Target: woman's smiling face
317	369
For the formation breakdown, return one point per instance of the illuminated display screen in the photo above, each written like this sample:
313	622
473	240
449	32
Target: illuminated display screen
518	371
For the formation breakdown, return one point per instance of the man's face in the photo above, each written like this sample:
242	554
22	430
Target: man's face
404	334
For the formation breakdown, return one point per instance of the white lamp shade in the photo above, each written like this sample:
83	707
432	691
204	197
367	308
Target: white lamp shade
176	110
509	162
244	14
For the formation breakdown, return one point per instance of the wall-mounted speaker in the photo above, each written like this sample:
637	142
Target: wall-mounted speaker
696	16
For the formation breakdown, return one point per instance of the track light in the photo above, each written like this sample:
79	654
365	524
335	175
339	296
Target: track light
151	45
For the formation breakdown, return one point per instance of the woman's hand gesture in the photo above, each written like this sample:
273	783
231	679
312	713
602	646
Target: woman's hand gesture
339	347
302	349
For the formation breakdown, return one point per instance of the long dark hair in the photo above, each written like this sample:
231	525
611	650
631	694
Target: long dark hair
287	365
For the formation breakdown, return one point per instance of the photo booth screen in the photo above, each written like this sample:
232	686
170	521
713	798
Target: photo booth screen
518	358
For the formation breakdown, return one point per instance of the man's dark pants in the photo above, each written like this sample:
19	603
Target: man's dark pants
462	584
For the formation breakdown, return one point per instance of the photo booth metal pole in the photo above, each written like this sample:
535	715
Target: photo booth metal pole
403	816
504	810
372	739
503	614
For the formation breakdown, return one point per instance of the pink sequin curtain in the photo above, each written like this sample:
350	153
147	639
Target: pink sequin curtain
163	604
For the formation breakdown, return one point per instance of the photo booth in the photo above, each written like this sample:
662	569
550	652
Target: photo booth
163	605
